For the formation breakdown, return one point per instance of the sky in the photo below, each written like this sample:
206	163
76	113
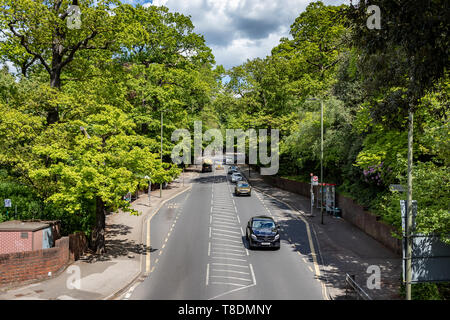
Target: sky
237	30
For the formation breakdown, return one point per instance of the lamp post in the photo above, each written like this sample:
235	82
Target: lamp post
160	185
149	187
321	155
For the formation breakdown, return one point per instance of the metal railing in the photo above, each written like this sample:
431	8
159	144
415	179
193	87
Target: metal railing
355	288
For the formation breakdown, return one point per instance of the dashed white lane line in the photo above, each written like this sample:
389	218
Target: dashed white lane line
209	249
207	274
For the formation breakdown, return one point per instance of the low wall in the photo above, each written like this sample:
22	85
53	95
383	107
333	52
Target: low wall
351	212
30	265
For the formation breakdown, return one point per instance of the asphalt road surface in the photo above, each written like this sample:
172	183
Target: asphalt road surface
199	250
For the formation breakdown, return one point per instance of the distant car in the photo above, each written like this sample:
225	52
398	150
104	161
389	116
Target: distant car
236	176
242	187
232	169
262	231
229	160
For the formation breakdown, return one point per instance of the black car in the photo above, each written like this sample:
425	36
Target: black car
262	231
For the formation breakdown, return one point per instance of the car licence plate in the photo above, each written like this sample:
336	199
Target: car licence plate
265	243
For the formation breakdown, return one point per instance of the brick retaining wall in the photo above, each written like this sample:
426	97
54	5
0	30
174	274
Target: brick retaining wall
29	265
19	267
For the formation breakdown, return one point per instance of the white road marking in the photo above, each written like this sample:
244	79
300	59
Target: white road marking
229	254
222	230
230	284
225	235
225	226
232	271
228	258
231	265
221	239
234	278
209	249
224	222
227	245
253	274
207	274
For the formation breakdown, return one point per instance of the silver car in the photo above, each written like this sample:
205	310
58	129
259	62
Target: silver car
236	176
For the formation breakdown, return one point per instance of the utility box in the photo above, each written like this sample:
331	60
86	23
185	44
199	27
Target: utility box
18	236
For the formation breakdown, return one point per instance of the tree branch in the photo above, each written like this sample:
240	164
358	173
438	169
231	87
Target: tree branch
27	48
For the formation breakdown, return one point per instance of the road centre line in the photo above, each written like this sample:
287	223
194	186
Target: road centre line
207	274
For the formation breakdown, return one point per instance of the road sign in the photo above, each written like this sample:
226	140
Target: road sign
315	180
7	203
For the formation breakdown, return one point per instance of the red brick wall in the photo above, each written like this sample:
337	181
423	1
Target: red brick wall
11	241
29	265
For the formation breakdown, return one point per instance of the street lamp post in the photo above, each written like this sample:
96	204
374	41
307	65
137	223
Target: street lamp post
321	155
160	185
149	188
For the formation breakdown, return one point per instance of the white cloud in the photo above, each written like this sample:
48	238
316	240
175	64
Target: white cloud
238	30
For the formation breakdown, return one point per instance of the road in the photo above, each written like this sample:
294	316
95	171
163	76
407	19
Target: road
199	250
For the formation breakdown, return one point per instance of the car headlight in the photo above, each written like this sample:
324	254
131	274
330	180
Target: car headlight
254	237
277	237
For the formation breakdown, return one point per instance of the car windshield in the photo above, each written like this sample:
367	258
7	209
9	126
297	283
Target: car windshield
244	185
263	224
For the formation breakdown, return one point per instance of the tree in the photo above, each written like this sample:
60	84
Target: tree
419	32
37	31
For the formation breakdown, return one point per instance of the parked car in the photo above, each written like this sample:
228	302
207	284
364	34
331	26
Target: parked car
263	231
236	176
242	187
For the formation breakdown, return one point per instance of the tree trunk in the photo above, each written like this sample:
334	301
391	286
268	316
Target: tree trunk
98	234
55	82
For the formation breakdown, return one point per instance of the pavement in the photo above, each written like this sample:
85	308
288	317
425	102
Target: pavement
106	276
343	248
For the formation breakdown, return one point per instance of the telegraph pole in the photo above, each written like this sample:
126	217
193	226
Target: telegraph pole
321	159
